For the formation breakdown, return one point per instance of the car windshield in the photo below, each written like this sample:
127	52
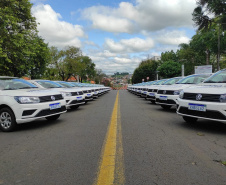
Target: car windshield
193	79
14	84
219	77
49	84
171	81
65	84
160	82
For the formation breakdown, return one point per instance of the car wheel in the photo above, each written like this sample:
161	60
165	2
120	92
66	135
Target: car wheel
7	120
166	107
51	118
74	107
190	119
153	101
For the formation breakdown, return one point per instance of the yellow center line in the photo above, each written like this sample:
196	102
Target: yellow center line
111	168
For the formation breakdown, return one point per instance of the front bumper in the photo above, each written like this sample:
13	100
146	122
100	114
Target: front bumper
215	111
165	99
30	112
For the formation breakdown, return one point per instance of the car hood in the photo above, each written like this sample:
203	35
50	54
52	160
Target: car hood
211	89
176	86
30	92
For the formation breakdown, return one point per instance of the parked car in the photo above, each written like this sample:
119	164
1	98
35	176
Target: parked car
206	101
167	95
74	97
22	102
153	89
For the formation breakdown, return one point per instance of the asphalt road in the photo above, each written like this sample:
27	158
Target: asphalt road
157	147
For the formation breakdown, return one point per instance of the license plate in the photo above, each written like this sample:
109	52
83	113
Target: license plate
144	92
88	94
54	106
151	94
163	97
79	97
197	107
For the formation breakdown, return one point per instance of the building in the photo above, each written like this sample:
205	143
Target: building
156	58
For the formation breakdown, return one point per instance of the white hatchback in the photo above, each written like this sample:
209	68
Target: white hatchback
22	102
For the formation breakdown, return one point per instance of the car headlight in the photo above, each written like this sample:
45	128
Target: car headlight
177	92
27	99
223	98
64	94
181	95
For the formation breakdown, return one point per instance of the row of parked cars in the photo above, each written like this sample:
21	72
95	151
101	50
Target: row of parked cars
27	100
198	96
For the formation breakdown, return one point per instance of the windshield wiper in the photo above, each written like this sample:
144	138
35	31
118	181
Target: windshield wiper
25	87
210	81
10	89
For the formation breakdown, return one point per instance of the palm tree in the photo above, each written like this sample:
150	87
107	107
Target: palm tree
204	21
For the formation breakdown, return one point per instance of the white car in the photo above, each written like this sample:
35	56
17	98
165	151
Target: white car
207	101
73	97
167	95
86	91
152	90
22	102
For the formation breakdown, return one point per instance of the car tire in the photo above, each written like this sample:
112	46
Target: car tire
7	120
52	118
74	107
190	119
153	101
166	107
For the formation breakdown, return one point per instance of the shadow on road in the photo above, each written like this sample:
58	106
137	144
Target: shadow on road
205	126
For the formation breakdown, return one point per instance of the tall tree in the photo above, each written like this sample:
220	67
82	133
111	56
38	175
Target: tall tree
203	20
87	68
147	68
170	69
17	31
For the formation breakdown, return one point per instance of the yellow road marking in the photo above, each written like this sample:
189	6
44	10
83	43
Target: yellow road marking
111	168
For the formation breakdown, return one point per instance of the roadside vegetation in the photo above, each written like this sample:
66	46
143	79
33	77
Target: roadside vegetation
206	47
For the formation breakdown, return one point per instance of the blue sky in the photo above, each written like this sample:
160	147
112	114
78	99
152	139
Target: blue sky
116	35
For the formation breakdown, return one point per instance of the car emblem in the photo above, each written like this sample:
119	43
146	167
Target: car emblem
53	98
198	97
164	92
152	90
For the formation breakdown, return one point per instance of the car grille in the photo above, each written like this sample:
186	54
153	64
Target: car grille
205	97
152	90
47	112
77	93
208	114
166	92
48	98
165	101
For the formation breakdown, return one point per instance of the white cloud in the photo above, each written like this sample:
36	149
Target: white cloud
146	15
58	33
172	37
132	45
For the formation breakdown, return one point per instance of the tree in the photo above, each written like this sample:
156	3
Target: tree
147	68
18	36
203	20
169	69
99	76
169	56
87	68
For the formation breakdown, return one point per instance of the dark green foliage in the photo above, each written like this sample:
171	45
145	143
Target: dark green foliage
146	69
22	52
170	69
